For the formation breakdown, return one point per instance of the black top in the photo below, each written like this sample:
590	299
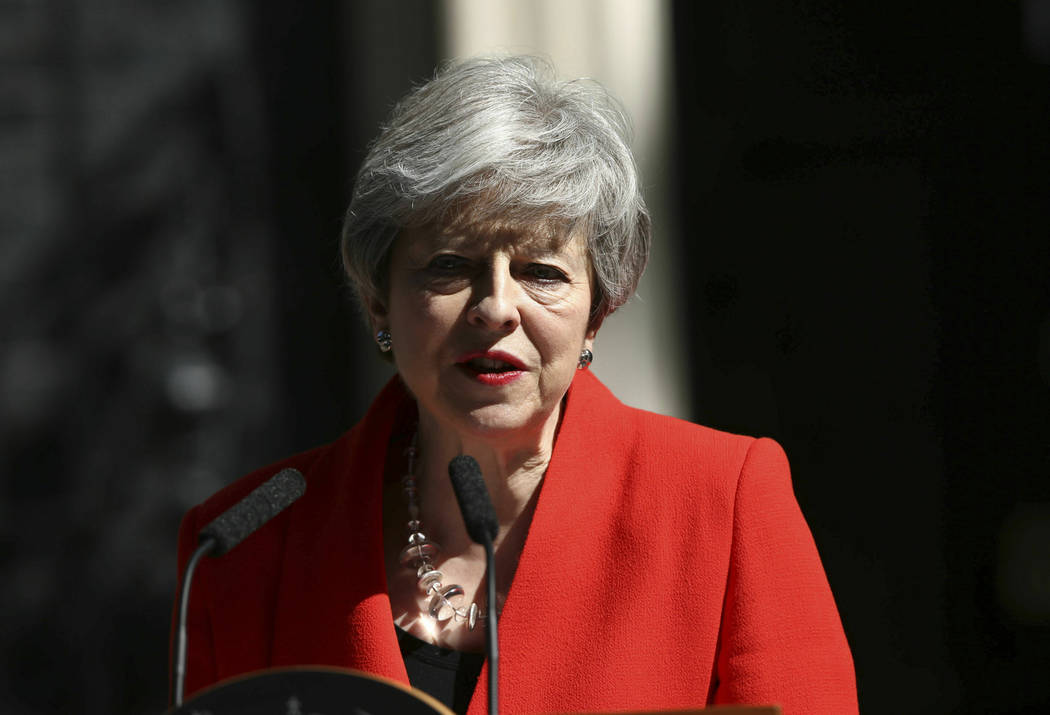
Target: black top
448	675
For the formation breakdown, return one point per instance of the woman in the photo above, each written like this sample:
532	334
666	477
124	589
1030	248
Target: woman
642	562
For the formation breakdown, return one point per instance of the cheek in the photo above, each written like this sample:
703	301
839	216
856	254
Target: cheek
425	318
560	338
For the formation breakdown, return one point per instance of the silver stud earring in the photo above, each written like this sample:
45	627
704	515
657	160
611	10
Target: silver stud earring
586	358
385	340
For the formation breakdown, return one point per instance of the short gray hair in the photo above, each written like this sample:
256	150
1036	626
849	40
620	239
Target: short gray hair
504	137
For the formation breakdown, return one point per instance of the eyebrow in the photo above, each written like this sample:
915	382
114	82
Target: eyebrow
500	236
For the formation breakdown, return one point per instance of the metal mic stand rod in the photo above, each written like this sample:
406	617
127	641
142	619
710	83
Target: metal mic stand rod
490	629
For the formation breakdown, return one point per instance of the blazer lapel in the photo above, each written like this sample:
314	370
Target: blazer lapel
564	573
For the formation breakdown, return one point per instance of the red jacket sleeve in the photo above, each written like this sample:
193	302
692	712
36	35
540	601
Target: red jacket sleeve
782	641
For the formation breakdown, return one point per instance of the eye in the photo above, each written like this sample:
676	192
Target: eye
446	263
545	273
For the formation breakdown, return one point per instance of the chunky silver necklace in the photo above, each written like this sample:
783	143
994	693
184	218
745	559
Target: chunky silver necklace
419	556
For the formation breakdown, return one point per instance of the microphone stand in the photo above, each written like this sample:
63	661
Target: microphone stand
491	638
482	526
225	532
179	661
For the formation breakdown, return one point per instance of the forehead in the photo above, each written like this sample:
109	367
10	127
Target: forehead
497	234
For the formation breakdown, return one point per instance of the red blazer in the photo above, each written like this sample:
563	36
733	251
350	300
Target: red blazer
667	566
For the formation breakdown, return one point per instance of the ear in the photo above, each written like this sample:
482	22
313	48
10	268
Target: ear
591	334
377	313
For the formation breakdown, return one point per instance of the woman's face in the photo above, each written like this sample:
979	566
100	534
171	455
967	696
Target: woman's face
488	323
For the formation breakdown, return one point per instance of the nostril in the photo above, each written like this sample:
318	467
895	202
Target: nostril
494	314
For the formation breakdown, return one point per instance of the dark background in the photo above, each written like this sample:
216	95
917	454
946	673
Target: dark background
865	223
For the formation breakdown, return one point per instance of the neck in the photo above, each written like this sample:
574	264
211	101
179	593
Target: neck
512	468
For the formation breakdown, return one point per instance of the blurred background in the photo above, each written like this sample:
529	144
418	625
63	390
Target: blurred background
852	256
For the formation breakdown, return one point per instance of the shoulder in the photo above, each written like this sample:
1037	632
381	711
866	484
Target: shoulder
311	464
319	465
305	462
664	458
651	436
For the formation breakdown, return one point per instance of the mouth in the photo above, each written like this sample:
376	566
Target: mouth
491	367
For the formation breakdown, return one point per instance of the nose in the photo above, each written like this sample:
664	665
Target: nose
495	299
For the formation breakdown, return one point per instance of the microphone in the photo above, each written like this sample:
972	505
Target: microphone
224	533
263	503
479	517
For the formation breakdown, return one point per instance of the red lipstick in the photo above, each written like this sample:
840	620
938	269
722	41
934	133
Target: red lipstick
490	367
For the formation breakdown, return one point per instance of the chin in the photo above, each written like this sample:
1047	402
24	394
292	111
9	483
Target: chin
498	421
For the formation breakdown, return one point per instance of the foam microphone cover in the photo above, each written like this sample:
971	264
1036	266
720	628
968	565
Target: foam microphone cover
473	497
263	503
